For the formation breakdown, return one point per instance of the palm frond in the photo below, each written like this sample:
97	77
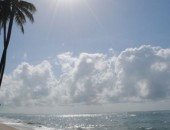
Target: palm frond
28	14
22	10
28	6
20	19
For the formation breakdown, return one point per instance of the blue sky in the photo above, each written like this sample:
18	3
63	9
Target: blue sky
91	26
75	41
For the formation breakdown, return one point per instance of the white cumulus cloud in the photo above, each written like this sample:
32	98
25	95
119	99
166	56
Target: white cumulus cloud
133	75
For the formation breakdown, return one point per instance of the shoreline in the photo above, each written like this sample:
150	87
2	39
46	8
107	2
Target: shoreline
6	127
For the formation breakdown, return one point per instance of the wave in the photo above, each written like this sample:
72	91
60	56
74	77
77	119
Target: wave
21	125
110	121
132	115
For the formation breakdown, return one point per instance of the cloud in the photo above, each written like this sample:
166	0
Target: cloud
27	84
134	75
142	73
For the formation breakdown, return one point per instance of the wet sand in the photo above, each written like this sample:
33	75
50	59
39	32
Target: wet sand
5	127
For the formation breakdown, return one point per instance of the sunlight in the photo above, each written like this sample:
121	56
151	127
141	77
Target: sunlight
68	2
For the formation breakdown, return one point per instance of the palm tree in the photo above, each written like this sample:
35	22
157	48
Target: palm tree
17	11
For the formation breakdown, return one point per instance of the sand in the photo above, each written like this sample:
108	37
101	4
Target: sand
5	127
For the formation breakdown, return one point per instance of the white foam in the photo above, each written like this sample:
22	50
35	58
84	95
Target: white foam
132	115
15	123
43	128
149	128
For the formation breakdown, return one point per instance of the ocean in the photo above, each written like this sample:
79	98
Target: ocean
153	120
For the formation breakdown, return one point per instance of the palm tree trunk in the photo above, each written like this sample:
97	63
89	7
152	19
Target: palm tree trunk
4	32
6	43
3	63
2	57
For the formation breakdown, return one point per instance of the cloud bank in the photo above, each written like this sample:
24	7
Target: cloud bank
134	75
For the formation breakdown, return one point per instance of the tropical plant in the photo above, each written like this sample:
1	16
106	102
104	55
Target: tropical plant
11	11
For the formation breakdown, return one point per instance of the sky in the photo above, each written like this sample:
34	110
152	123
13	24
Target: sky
83	55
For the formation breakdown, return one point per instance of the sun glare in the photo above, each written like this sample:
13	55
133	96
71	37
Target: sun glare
68	2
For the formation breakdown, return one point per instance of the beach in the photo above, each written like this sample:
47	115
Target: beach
5	127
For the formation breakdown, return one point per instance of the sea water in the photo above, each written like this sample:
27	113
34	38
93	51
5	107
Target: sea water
155	120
